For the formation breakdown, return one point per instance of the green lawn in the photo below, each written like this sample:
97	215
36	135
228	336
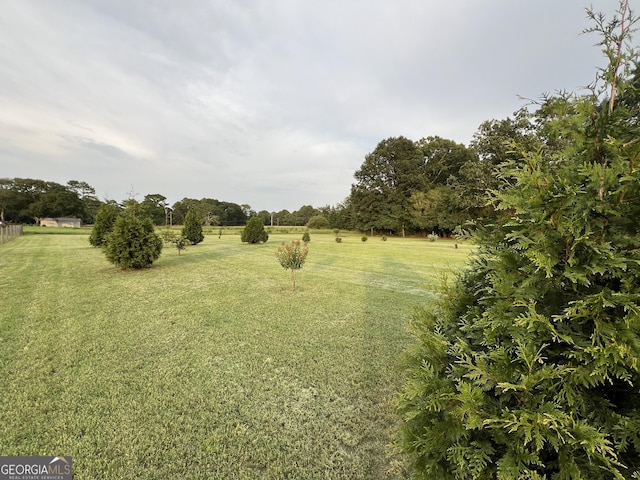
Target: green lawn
207	365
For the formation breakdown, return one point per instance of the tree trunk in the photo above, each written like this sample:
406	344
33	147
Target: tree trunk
293	278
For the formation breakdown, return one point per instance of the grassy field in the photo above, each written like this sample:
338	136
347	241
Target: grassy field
207	365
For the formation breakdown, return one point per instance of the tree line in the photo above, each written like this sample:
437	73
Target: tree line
27	200
431	185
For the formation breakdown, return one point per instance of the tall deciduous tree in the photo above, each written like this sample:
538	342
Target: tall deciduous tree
529	367
56	201
385	182
154	206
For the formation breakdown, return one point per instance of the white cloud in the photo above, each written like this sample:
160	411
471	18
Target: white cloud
267	103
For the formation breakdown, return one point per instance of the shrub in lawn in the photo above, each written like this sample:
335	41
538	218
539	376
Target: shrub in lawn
338	239
384	238
336	231
192	229
133	242
364	238
103	223
292	257
171	237
180	242
528	365
306	238
254	231
432	237
168	236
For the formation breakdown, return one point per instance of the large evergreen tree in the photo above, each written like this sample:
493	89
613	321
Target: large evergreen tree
529	366
133	242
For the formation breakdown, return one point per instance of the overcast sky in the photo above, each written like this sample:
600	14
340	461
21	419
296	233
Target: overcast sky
272	103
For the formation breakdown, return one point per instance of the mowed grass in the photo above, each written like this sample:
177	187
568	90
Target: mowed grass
208	365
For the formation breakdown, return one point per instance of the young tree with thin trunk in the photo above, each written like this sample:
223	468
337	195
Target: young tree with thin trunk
292	256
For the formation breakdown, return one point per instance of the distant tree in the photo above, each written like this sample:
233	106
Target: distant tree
389	175
318	222
306	238
87	195
431	210
7	197
181	208
528	366
292	256
56	201
192	229
265	217
28	191
442	159
103	224
133	242
231	214
154	206
302	215
254	232
82	189
283	217
340	216
247	211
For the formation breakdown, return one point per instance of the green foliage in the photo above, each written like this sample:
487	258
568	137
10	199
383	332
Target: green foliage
292	256
254	231
529	365
306	238
384	238
133	242
211	212
432	237
318	222
338	239
364	238
173	238
168	236
192	229
433	183
103	224
180	242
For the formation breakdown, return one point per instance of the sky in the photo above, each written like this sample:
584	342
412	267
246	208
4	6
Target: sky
270	103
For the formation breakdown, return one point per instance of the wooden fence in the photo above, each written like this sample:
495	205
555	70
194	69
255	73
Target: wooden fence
9	232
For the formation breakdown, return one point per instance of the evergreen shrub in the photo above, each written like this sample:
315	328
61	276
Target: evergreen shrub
528	367
192	229
254	231
133	242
